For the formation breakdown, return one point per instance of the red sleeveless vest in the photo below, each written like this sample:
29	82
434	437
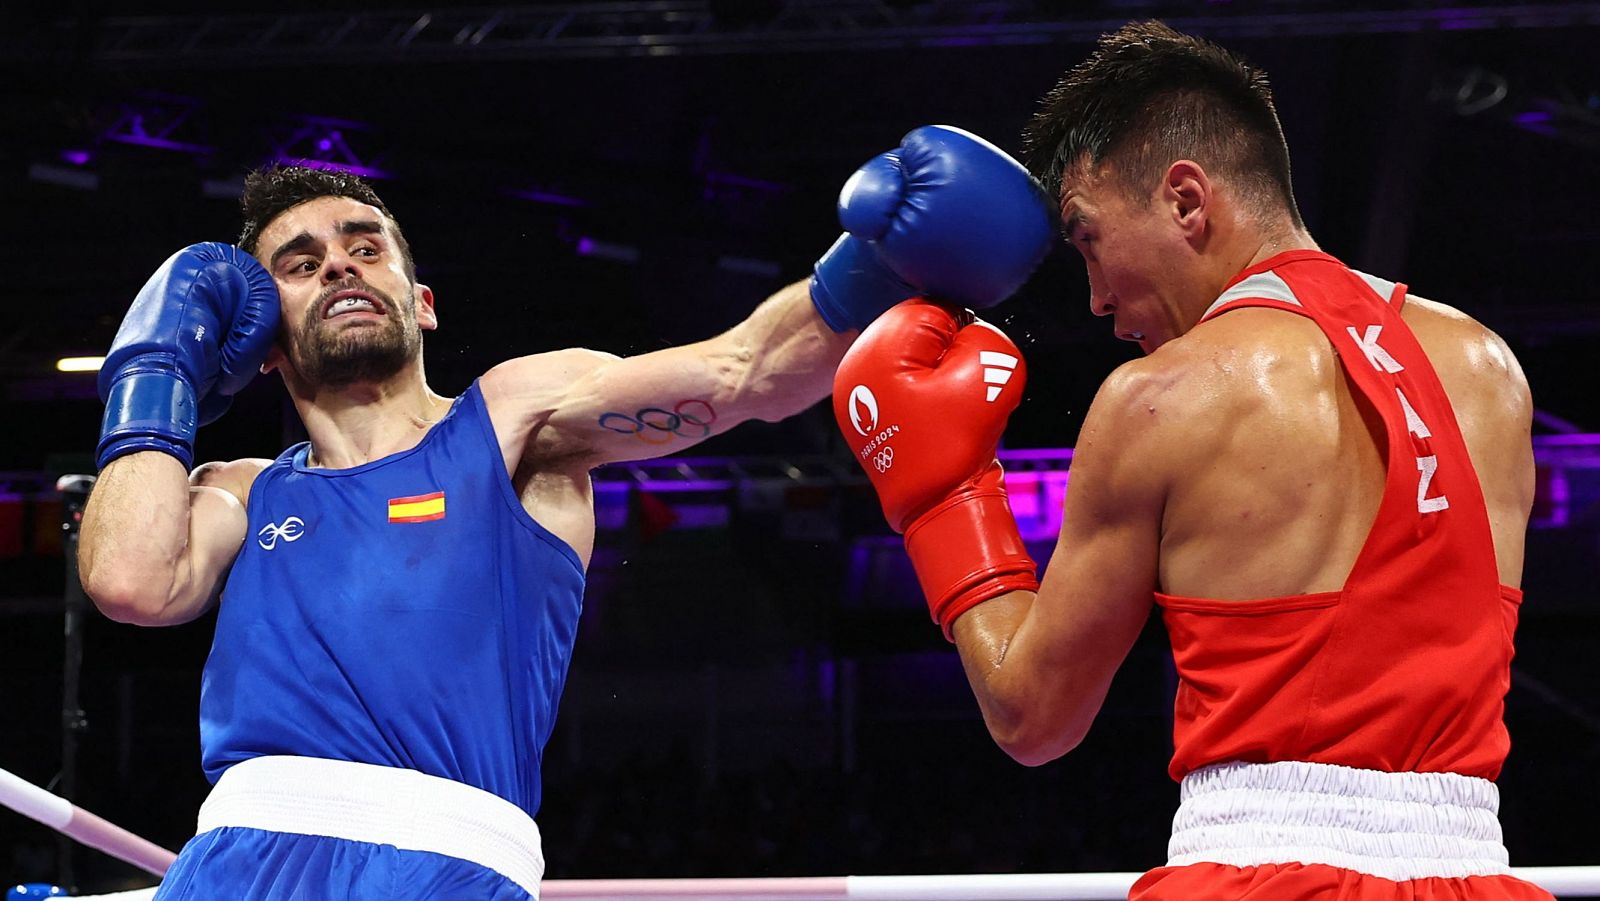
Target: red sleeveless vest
1406	668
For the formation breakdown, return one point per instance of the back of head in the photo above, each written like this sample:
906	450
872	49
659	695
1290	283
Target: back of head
271	190
1148	96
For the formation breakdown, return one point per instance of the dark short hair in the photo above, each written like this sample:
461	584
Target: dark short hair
271	190
1149	95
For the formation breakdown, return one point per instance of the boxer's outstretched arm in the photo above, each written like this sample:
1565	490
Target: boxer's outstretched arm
1040	664
597	408
156	543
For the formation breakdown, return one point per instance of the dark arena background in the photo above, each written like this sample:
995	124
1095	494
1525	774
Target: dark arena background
756	688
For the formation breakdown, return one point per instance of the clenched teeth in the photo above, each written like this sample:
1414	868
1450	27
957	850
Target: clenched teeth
349	305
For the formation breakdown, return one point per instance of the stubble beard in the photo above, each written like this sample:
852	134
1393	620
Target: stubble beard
334	356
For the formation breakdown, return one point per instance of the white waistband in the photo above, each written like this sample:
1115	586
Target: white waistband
1395	826
381	805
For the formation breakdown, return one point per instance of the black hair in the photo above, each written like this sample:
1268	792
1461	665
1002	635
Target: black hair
1149	95
271	190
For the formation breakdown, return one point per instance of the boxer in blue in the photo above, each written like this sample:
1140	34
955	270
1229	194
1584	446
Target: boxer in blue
400	594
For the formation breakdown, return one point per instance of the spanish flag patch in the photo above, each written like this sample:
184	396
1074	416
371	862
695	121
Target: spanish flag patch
419	508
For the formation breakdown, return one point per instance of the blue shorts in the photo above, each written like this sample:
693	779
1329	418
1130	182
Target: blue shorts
238	864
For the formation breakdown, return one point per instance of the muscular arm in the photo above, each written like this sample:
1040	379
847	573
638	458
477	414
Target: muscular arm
157	543
598	408
1040	664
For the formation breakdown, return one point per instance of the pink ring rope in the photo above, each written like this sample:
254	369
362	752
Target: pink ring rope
67	818
76	823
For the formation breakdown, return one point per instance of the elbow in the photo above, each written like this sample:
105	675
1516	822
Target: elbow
1036	751
1037	739
125	598
131	614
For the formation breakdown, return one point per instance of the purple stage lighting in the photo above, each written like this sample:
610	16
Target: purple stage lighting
548	198
320	143
718	179
331	166
156	121
76	157
605	250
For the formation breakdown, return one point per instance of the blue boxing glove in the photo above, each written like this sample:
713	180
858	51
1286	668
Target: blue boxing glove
195	336
947	215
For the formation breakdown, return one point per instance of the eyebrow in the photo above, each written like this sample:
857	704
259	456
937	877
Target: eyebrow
304	239
1070	224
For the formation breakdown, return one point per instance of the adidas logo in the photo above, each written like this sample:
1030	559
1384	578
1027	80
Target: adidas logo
997	369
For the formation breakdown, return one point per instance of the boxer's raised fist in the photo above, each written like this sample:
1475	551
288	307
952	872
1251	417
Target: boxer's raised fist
195	335
921	399
946	215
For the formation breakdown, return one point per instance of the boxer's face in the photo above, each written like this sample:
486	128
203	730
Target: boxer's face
1139	260
350	312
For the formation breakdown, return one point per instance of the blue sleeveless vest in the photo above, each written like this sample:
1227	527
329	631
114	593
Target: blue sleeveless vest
406	612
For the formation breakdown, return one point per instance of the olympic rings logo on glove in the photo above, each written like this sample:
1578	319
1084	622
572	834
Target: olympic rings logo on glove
690	419
883	459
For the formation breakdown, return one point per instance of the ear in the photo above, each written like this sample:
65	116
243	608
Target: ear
275	359
1187	193
427	319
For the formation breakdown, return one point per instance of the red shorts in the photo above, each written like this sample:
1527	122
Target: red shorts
1318	882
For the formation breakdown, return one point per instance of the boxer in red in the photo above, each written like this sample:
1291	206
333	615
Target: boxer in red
1322	481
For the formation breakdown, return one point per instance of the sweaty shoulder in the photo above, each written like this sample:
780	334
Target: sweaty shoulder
1474	363
1243	388
1231	365
232	476
1490	399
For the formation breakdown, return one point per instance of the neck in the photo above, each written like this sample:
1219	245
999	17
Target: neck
358	423
1235	250
1269	244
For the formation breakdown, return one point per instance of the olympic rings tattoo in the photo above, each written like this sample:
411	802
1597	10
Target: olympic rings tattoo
654	425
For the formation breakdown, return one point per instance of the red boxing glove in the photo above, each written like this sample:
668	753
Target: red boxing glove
921	398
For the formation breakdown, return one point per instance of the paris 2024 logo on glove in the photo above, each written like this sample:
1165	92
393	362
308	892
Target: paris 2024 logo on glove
863	406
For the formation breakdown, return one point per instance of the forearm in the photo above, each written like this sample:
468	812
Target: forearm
135	530
1036	709
787	355
984	637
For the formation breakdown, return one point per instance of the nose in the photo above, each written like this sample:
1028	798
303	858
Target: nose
338	265
1100	302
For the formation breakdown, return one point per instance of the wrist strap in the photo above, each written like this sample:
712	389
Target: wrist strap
967	550
850	286
150	410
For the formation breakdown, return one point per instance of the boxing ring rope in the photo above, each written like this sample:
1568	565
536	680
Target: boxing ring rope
61	815
1563	881
80	825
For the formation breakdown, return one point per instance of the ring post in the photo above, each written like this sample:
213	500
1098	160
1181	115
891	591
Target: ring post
74	490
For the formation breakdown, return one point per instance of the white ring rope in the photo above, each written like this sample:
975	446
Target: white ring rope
997	887
67	818
1563	881
76	823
